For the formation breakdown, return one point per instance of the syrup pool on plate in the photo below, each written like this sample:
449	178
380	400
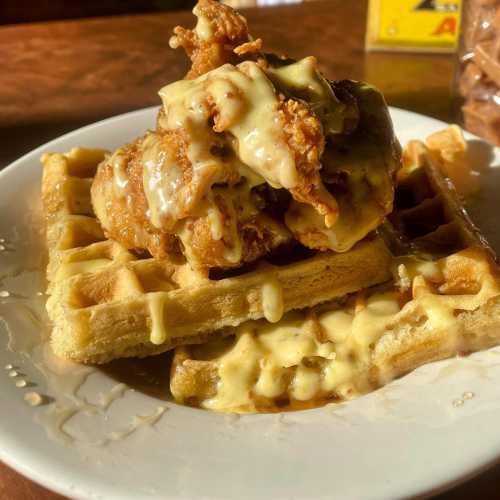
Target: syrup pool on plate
59	391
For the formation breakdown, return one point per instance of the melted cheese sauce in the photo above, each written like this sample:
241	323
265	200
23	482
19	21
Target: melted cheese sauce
155	301
304	78
162	178
247	121
203	26
216	223
313	358
289	356
272	301
120	177
408	267
254	120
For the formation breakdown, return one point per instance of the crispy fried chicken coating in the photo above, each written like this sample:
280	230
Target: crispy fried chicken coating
358	169
250	153
241	234
121	206
304	135
223	230
220	36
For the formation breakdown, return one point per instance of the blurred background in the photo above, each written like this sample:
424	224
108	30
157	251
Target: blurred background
12	11
65	64
69	63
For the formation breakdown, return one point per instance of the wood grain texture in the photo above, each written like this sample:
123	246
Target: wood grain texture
13	486
92	68
57	76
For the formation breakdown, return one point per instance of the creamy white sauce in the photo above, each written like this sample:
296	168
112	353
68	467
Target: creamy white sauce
216	223
155	301
119	164
55	387
203	26
162	179
304	77
288	357
272	300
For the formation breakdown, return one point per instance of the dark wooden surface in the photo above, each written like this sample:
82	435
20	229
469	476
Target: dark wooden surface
57	76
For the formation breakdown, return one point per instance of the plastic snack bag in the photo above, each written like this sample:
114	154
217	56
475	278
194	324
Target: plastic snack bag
479	74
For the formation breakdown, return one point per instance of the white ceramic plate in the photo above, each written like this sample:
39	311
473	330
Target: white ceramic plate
416	436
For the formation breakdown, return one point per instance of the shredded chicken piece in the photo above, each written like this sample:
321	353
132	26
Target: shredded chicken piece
122	215
305	138
248	154
220	36
252	47
223	230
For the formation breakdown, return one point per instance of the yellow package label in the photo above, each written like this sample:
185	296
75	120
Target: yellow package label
413	24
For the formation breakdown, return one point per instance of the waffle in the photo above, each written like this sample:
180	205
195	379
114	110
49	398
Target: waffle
444	300
107	302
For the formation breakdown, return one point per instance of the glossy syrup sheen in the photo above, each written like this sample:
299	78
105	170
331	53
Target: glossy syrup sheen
60	391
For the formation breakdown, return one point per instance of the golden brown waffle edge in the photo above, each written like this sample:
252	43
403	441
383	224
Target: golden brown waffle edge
105	302
452	306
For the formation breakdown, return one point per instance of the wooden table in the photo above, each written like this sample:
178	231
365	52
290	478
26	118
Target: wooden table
58	76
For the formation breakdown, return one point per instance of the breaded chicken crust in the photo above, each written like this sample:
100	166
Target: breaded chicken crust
220	37
241	120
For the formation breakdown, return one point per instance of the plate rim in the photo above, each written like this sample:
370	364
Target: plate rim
29	470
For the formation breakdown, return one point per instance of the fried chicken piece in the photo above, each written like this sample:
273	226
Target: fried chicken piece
173	186
279	138
120	205
154	175
220	36
220	228
304	135
234	231
226	127
358	170
239	132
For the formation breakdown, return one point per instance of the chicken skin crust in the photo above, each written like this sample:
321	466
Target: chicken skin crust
251	153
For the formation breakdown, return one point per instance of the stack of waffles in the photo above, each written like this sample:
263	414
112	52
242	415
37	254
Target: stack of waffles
107	302
424	288
444	300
